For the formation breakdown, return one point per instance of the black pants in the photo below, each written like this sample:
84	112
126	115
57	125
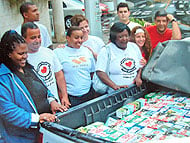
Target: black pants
75	100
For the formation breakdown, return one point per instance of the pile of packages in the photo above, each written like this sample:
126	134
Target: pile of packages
158	116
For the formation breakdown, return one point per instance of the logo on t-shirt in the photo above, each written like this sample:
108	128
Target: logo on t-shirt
79	60
44	70
128	65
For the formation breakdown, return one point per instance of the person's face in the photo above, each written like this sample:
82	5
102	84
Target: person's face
161	23
140	39
123	14
75	40
85	27
19	55
33	40
32	14
122	39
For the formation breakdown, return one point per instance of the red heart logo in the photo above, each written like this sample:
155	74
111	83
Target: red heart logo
44	70
128	64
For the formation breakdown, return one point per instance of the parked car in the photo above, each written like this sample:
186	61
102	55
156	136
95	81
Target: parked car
70	7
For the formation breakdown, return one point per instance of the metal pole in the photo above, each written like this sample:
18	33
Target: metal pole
58	20
93	14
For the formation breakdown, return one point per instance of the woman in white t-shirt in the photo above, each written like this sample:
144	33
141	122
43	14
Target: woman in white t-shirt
140	36
78	66
124	62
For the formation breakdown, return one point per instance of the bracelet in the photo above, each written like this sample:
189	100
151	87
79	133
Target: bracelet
173	20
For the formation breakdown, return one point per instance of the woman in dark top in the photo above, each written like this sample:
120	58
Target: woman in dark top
36	88
24	99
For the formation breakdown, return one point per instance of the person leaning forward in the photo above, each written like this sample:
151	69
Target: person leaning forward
45	62
24	99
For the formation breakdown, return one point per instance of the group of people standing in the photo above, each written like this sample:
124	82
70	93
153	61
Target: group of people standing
36	82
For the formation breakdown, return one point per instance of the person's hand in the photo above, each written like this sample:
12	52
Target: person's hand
47	117
93	53
123	86
61	46
143	62
65	102
170	17
147	24
138	81
117	87
57	107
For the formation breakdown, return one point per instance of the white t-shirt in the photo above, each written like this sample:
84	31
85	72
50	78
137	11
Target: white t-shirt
46	40
77	65
124	64
46	64
131	24
95	43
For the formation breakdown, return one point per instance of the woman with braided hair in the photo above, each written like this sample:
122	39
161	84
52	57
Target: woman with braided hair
24	99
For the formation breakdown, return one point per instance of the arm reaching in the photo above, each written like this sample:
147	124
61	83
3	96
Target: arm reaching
105	79
62	89
138	79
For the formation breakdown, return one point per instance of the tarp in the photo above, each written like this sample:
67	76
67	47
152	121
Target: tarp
169	65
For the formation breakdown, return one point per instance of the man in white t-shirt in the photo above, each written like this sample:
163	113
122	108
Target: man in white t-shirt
30	13
123	13
45	63
123	66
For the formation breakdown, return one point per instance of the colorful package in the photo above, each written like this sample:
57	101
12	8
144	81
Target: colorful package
130	108
115	136
86	129
125	110
111	122
126	138
162	115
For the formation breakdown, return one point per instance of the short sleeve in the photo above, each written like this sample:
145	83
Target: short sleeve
102	60
93	64
92	60
100	44
57	64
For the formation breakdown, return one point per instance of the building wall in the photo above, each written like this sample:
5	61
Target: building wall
10	18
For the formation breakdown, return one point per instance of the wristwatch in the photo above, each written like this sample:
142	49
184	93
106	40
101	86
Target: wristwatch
173	20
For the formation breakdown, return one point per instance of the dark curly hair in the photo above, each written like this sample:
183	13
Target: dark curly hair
117	28
7	46
71	29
